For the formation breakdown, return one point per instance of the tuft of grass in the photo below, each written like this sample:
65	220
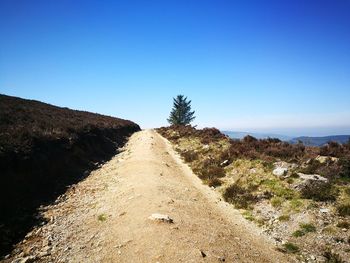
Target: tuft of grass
284	218
248	215
277	188
304	229
276	201
296	204
307	228
298	233
329	230
102	217
291	248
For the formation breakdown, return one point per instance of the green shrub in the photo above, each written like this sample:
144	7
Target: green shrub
312	167
210	172
240	197
291	248
276	201
319	191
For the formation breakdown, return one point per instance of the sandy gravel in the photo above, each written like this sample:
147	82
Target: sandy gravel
105	218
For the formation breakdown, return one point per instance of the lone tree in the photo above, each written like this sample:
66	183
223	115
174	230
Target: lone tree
181	113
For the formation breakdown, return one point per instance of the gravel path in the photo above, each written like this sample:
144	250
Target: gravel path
108	216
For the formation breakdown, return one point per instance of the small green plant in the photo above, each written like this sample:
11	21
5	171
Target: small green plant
296	204
276	201
102	217
308	228
298	233
304	229
248	215
284	218
291	248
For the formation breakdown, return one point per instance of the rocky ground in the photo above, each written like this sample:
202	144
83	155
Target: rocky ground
306	214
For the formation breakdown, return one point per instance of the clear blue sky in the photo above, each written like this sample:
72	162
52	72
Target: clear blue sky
276	66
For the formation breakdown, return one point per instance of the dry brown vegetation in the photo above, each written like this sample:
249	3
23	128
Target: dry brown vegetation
43	149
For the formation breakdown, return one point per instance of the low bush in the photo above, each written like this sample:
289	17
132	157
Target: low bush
189	156
210	172
214	182
290	247
319	191
240	197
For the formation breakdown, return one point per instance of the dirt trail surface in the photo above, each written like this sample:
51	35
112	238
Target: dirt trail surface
105	218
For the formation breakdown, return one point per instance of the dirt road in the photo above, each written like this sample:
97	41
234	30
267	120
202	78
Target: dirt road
105	218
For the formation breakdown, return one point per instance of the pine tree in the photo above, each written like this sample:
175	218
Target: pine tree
181	113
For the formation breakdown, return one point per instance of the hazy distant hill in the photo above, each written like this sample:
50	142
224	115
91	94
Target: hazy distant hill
319	141
310	141
240	135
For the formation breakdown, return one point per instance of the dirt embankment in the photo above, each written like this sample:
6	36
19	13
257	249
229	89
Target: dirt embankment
44	149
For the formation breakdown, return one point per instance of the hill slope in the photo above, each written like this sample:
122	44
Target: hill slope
44	148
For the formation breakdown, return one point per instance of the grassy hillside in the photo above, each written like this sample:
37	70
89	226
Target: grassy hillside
43	149
295	193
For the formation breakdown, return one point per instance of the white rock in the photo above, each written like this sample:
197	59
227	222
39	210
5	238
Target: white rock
279	171
282	164
162	218
224	163
314	177
324	210
324	159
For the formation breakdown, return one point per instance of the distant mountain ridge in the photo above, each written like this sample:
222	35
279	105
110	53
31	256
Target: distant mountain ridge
319	141
241	135
307	140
